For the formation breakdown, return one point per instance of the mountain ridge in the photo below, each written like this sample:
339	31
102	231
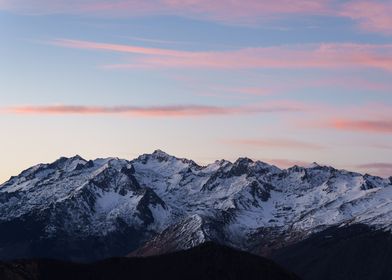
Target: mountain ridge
77	209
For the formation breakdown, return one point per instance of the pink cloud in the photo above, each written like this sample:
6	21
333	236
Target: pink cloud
154	111
381	169
370	118
374	16
77	44
277	143
327	56
168	111
378	126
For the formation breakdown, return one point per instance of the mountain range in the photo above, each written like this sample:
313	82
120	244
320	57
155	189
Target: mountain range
306	219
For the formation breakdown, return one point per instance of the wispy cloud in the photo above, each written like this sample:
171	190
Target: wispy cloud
275	143
154	111
231	11
373	16
378	168
324	56
372	118
78	44
379	126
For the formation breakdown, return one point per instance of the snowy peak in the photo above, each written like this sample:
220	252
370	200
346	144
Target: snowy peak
244	161
161	156
68	164
159	166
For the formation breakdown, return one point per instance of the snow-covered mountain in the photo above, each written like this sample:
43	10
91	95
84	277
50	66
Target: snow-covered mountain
85	210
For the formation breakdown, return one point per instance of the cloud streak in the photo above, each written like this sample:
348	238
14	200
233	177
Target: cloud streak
87	45
322	56
378	126
370	118
154	111
232	11
372	16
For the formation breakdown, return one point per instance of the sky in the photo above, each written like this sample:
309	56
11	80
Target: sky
285	82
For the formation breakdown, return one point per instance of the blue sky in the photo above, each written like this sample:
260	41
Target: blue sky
284	82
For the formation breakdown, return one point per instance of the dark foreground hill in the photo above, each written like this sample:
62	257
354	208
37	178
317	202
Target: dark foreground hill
348	253
207	261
